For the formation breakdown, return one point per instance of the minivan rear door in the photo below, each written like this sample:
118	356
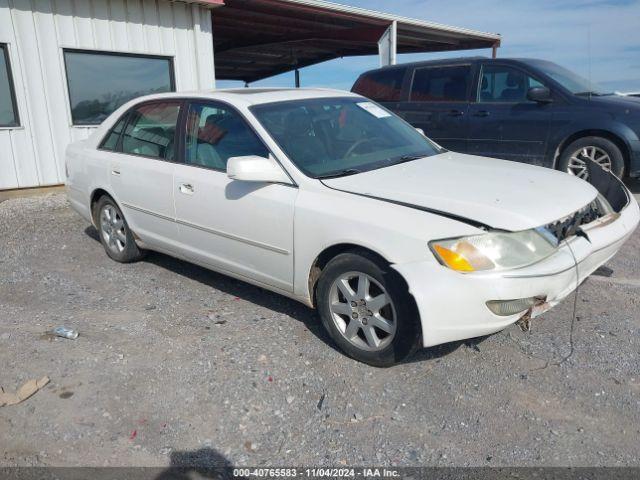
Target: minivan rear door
502	122
438	102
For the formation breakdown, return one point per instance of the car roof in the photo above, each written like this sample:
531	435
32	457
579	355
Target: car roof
455	61
253	96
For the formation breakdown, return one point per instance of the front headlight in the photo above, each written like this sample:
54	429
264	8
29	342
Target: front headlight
492	251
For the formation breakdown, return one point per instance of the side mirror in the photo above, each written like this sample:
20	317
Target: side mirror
253	168
420	131
539	94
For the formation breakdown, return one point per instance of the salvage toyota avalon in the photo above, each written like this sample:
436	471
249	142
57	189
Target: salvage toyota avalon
330	199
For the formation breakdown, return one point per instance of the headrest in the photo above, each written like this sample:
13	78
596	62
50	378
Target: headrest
514	80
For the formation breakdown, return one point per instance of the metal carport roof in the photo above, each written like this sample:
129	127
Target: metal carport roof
255	39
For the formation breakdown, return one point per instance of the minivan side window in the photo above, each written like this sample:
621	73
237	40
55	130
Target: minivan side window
381	85
441	84
504	84
151	130
216	133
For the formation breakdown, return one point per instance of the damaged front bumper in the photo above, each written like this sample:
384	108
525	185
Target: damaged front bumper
455	307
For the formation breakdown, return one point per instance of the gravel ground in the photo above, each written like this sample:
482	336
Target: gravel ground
176	364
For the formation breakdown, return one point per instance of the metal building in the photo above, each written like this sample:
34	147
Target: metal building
66	64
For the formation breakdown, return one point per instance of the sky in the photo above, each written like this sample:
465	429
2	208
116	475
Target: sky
598	39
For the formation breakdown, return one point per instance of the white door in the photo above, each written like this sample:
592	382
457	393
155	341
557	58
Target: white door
241	227
142	172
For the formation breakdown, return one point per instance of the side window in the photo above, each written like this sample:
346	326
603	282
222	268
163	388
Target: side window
504	84
381	86
151	130
440	84
8	108
216	133
110	142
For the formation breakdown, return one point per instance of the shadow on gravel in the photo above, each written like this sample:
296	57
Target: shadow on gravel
276	302
205	463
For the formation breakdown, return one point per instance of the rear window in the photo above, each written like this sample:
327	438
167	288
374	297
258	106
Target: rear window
441	84
381	85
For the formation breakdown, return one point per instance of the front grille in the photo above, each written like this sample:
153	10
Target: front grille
568	226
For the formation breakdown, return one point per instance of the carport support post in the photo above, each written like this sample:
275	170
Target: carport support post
388	45
297	78
494	51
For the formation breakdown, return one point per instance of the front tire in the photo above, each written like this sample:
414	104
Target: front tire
575	157
367	309
115	235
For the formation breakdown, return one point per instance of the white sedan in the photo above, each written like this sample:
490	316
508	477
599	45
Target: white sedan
330	199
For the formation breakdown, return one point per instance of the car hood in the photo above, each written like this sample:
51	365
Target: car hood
497	193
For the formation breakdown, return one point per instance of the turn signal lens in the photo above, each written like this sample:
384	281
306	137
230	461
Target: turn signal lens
453	260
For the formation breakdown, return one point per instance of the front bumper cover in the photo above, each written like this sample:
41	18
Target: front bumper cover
452	305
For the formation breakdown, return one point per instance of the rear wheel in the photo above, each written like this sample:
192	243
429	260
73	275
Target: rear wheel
367	309
577	156
115	235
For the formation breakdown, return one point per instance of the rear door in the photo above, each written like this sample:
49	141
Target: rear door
502	122
142	171
438	101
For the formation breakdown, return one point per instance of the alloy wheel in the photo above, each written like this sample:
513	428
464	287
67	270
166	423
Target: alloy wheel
363	311
578	163
112	229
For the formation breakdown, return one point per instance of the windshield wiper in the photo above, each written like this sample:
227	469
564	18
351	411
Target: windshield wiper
594	94
405	158
341	173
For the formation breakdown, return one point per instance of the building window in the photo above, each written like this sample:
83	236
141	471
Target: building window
8	107
100	82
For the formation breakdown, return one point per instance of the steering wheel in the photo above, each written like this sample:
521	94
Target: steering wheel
358	144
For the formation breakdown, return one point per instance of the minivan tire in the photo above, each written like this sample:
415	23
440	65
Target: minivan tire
601	145
382	278
112	232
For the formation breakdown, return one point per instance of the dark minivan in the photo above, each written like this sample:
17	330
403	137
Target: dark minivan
531	111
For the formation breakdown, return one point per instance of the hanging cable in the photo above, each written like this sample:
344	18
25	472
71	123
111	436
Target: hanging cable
575	306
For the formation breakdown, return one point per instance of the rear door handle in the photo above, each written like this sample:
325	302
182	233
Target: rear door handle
482	113
456	113
186	188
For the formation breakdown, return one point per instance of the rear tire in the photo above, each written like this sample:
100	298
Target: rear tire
575	156
115	235
366	307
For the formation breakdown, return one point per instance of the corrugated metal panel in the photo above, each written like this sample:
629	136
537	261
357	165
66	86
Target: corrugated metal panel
36	31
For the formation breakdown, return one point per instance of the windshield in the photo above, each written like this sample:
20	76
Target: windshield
571	81
327	137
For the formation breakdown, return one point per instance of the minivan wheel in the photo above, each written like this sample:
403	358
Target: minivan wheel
115	235
578	154
367	309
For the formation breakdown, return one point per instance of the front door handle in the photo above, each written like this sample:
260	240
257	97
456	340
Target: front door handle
482	113
115	172
186	188
456	113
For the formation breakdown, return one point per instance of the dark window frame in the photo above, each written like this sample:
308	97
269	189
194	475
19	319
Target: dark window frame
169	58
12	88
525	72
128	116
467	94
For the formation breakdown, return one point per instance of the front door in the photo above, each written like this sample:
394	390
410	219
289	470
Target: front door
438	104
244	228
502	122
142	172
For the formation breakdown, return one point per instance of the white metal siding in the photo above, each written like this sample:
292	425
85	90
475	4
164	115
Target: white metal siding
36	31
